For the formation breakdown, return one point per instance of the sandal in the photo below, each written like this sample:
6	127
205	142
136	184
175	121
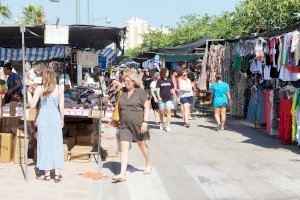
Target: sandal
147	171
57	178
118	179
47	178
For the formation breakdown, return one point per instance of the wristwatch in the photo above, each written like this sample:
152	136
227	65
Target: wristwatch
146	122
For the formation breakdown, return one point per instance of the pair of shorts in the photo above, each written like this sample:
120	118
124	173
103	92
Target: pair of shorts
188	100
165	105
154	105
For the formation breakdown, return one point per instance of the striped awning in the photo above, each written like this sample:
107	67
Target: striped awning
34	54
109	53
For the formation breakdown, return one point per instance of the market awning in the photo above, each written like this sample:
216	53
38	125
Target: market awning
34	54
179	57
186	48
144	56
80	36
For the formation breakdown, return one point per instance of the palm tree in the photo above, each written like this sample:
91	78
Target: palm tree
34	15
4	12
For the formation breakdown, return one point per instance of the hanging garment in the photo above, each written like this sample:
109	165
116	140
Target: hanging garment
285	121
261	118
285	74
259	49
252	107
203	75
298	126
274	72
267	72
295	113
295	46
268	111
276	108
256	66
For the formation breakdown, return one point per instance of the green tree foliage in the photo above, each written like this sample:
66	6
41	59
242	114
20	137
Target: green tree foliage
5	12
34	15
253	16
250	16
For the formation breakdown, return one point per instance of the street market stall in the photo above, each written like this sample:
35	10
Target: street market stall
13	43
263	72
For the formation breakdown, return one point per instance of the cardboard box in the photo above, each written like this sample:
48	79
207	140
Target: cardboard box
31	114
10	124
19	143
6	147
96	113
84	139
80	152
72	129
71	142
18	155
84	129
65	141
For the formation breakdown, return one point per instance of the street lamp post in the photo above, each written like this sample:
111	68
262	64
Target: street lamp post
107	20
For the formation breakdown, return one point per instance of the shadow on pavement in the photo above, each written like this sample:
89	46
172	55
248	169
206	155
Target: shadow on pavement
208	127
257	136
115	167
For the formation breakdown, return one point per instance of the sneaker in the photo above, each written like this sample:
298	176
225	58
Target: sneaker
162	126
219	126
187	125
168	129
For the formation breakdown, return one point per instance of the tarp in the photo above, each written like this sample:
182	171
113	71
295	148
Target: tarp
80	36
108	53
179	57
182	49
34	54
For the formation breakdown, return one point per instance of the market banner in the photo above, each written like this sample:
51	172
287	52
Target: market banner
34	54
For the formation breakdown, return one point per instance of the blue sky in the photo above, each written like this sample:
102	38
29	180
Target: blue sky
156	12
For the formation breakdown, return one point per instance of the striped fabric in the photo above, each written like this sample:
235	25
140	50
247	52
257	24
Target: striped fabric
34	54
109	53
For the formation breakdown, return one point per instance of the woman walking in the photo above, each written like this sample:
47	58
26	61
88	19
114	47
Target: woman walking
147	79
154	98
134	114
165	94
50	120
221	98
186	97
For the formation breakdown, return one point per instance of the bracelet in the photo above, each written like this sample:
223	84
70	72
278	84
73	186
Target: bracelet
145	121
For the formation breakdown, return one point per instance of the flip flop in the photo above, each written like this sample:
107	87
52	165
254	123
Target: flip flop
147	171
119	179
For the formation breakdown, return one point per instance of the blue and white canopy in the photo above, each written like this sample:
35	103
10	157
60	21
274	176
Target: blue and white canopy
108	53
34	54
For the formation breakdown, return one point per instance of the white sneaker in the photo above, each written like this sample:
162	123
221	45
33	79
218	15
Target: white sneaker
162	126
168	129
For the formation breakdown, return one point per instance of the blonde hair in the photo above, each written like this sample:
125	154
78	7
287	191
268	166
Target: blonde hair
134	77
49	81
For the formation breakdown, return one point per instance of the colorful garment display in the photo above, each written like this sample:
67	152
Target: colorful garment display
285	121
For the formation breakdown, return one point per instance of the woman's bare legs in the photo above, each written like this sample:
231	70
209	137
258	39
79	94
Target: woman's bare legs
124	158
146	153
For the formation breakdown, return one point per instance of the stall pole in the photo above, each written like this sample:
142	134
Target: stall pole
22	29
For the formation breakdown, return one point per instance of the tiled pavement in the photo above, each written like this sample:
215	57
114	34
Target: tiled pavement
196	163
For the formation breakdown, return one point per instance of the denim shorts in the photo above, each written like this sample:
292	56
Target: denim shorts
188	100
165	105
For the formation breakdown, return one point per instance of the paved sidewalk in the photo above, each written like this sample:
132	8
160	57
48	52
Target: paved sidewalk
195	163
